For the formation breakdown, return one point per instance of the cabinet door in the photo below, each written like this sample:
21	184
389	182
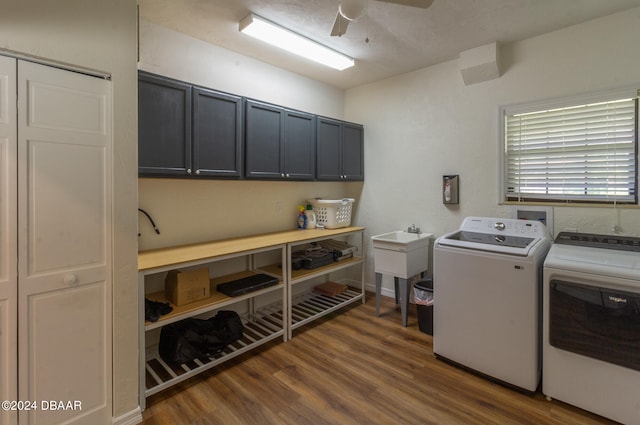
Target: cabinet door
352	151
8	239
263	140
164	126
299	146
217	134
329	148
64	244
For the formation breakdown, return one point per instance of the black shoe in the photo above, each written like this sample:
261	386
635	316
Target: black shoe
154	309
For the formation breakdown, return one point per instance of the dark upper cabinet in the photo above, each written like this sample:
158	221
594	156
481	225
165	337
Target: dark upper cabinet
329	146
190	131
164	126
299	145
217	134
279	143
187	131
352	151
340	147
263	140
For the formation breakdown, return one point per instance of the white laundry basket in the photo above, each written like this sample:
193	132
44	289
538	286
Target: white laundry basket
333	213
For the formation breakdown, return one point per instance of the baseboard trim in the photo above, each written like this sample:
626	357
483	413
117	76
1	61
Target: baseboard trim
131	418
385	292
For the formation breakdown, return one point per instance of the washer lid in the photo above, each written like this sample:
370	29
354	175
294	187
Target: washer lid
505	236
487	242
492	239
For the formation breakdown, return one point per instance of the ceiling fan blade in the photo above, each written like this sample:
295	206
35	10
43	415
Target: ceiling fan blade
413	3
340	25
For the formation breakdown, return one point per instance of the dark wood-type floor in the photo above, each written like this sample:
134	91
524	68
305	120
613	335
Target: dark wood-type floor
352	368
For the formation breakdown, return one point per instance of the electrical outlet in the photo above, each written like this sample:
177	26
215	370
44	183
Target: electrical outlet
278	206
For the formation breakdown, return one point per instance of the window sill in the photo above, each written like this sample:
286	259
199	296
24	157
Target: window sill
572	204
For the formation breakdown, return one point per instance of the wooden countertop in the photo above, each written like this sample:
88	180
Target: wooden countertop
163	257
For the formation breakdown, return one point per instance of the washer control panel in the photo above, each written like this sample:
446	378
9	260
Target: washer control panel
504	226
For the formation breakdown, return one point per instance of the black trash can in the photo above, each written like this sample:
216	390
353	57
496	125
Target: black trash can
423	293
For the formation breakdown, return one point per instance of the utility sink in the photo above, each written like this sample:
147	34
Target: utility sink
401	254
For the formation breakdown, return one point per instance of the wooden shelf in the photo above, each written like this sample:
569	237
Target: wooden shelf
304	274
262	323
165	258
264	327
214	301
309	306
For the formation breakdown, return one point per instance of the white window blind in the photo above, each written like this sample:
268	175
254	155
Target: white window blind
585	152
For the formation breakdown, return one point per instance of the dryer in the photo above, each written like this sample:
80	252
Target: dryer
487	298
591	326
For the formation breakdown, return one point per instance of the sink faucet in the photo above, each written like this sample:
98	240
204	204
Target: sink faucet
413	229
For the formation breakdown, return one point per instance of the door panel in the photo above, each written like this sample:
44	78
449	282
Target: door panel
329	144
74	341
217	134
75	210
64	207
352	152
164	126
299	146
263	141
83	112
8	239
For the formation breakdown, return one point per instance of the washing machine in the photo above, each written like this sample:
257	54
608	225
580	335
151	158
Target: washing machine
591	324
487	298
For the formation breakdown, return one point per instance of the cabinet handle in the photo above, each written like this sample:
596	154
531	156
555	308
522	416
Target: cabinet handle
188	170
70	279
287	175
197	172
282	175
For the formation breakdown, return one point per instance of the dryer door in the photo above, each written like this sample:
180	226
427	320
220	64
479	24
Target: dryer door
596	322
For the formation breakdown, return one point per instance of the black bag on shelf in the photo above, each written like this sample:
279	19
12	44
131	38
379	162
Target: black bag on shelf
312	257
189	339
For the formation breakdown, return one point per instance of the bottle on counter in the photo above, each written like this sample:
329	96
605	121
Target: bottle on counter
302	218
311	217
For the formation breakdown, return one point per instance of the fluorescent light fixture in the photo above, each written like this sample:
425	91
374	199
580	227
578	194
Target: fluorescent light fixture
278	36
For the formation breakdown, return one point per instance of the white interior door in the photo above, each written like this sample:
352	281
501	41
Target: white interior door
64	240
8	239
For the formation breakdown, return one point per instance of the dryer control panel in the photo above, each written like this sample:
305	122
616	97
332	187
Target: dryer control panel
620	243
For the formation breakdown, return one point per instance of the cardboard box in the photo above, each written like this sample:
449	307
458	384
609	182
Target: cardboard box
183	287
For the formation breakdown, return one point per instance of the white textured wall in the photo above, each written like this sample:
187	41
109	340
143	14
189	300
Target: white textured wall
100	35
188	211
425	124
418	127
173	54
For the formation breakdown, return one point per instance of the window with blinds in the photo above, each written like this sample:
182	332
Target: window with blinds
583	152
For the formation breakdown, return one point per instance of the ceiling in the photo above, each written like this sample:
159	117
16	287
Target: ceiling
400	38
